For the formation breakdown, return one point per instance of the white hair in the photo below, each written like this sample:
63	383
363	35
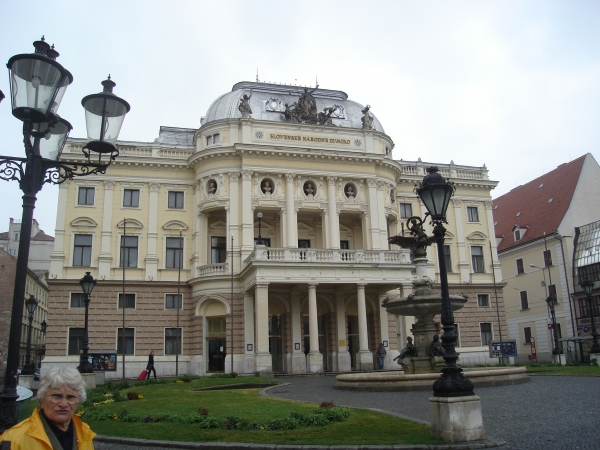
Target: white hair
58	377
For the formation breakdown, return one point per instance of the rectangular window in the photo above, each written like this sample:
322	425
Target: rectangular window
172	341
131	198
524	301
485	330
129	301
477	259
16	236
265	242
472	214
208	140
75	340
129	340
174	259
77	300
216	138
173	301
218	249
129	251
405	210
483	300
82	253
86	196
175	200
447	258
344	245
527	334
552	291
517	235
520	268
303	243
547	258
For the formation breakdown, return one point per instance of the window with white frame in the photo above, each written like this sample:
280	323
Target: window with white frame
213	139
77	300
218	249
524	300
129	251
172	341
447	258
485	330
520	266
129	341
174	256
175	200
517	234
527	335
129	301
131	198
405	210
82	250
85	196
477	258
173	301
472	214
75	340
483	300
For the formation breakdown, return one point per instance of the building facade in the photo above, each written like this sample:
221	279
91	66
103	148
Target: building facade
297	288
41	244
535	226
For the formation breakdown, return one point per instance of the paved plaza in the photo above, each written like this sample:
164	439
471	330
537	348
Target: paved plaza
548	413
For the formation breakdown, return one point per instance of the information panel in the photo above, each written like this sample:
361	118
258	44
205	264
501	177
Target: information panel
503	349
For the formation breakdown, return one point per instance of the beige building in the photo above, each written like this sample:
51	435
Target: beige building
298	289
536	226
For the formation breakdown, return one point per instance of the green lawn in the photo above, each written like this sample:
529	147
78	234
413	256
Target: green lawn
361	427
563	370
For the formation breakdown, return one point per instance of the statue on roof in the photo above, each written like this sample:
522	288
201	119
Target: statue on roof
244	105
367	119
305	109
325	116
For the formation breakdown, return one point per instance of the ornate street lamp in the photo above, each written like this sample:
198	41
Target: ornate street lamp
551	301
29	368
87	285
259	240
588	287
44	326
37	86
435	192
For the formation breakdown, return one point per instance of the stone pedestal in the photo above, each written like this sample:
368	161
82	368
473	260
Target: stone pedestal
365	360
26	381
89	379
314	362
298	361
100	378
456	419
263	362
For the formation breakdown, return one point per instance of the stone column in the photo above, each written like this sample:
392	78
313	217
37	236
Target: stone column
202	239
298	358
463	259
343	357
151	255
364	356
234	221
382	195
496	267
334	219
262	361
195	230
291	219
247	238
249	332
57	258
385	335
105	257
373	215
315	358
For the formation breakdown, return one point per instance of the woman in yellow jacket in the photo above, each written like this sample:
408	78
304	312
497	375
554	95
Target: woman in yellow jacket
54	425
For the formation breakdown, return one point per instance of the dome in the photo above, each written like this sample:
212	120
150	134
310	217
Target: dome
268	103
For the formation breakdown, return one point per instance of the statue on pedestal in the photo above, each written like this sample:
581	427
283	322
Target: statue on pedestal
435	348
244	105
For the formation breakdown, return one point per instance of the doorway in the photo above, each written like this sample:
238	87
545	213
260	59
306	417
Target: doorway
217	350
322	327
275	345
353	341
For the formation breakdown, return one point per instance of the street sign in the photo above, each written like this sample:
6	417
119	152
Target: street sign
550	326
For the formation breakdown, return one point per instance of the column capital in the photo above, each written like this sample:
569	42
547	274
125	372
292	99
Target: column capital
290	176
312	285
331	180
372	182
246	175
154	186
109	184
261	285
233	176
361	285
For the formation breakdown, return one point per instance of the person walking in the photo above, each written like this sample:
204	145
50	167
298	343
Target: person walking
381	355
150	366
54	425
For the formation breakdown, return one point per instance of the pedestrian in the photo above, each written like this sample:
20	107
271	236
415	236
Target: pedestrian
381	355
150	366
54	425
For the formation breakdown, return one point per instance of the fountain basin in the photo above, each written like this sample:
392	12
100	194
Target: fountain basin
422	305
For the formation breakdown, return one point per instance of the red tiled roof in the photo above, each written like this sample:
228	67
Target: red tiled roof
537	216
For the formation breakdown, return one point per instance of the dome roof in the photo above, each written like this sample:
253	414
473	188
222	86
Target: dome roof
268	103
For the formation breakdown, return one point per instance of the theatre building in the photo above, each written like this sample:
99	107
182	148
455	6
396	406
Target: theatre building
275	216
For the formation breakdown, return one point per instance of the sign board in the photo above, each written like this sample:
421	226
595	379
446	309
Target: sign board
533	353
503	349
103	361
550	326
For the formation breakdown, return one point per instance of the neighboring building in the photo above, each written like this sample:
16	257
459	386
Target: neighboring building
40	249
309	300
36	286
586	264
535	225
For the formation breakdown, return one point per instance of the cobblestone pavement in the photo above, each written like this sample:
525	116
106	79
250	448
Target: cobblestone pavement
548	413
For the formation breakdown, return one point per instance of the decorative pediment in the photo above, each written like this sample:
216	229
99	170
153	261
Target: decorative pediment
130	224
476	235
83	222
305	227
448	235
175	225
219	224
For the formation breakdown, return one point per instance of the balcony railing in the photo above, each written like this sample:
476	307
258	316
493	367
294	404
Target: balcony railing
317	255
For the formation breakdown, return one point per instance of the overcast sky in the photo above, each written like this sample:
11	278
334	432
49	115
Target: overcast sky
513	85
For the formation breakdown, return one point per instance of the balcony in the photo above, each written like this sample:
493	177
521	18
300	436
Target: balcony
318	255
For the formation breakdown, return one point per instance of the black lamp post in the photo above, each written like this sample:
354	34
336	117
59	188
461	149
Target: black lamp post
551	301
588	287
37	86
435	192
29	368
87	285
259	240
